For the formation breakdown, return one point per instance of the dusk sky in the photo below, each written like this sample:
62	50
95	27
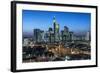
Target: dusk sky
44	19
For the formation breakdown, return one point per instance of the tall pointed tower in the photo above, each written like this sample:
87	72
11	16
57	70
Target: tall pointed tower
56	30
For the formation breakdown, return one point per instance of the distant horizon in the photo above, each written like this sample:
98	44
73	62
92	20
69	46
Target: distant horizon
75	21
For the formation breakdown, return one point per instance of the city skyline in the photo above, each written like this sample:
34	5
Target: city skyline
44	19
52	36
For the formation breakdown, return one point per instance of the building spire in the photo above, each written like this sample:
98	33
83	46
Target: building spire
54	19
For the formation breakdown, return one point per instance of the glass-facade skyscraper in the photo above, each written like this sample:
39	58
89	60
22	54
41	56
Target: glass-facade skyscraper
56	30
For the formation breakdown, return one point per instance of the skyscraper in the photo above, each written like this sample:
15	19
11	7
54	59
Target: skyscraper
66	34
71	36
46	36
56	30
51	35
37	33
66	29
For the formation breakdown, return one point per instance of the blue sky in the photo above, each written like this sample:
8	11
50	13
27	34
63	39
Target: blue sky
44	19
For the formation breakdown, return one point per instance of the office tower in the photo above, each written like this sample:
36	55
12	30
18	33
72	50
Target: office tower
51	35
62	35
66	34
66	29
46	36
42	35
56	30
71	36
37	35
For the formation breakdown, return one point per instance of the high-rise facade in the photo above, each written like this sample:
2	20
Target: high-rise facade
46	36
38	35
53	35
71	36
56	30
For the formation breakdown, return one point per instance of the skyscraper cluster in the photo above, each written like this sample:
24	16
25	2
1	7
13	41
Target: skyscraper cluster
53	35
56	44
